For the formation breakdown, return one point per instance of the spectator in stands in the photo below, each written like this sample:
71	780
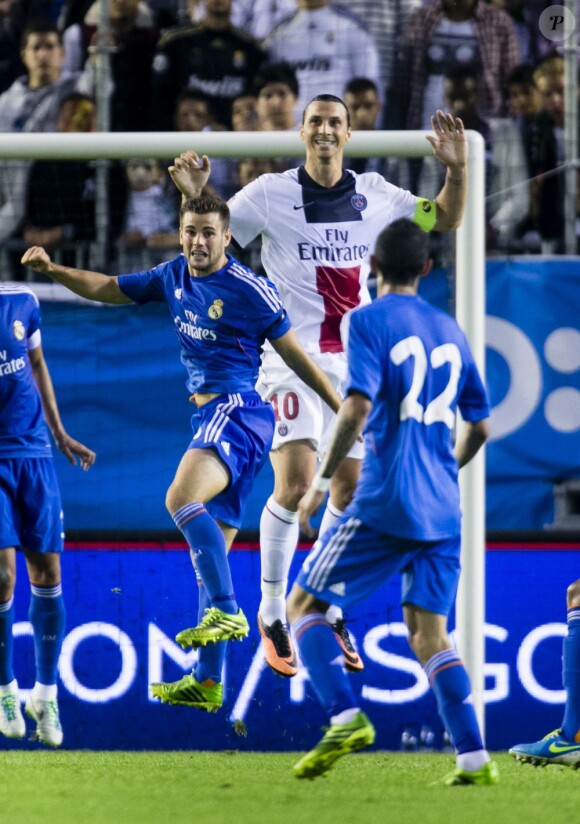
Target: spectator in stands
150	217
60	207
546	152
507	186
449	33
245	112
12	22
362	99
258	17
386	21
133	42
326	45
524	106
211	56
526	24
31	104
276	89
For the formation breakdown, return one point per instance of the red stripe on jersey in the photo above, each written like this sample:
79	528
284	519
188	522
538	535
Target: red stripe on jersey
340	291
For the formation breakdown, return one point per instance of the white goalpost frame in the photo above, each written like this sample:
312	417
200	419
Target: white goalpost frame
470	294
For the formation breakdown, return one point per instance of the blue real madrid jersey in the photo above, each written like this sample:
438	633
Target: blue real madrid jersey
221	319
414	363
23	430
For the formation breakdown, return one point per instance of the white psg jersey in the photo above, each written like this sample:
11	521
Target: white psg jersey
317	241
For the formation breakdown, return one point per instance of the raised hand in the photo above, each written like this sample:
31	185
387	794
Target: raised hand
37	258
449	144
189	174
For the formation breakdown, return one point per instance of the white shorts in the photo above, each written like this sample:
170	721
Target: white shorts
300	413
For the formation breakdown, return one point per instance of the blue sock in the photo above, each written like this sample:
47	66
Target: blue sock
211	657
321	654
208	550
452	689
48	618
6	642
571	676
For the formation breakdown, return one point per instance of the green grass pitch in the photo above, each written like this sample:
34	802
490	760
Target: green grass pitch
250	788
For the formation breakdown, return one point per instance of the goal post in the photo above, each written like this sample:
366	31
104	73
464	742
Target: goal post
470	292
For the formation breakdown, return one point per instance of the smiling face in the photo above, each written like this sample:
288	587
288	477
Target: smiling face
325	131
204	239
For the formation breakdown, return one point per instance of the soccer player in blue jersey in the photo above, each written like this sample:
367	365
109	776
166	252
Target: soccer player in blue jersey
563	745
30	511
222	313
409	368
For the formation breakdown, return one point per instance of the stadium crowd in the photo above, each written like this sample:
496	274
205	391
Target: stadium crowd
213	65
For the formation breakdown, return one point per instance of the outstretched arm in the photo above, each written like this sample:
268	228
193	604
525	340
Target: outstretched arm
450	147
90	285
292	353
348	426
189	175
67	445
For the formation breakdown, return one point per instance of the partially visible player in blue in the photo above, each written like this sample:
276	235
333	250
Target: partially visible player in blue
409	369
223	313
30	511
562	746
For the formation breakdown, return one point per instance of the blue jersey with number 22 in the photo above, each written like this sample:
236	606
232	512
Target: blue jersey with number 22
414	363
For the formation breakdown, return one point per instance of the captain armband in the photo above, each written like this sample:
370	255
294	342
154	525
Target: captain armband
425	214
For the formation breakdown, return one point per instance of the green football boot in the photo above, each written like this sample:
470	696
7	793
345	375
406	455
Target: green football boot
338	740
486	776
215	626
190	693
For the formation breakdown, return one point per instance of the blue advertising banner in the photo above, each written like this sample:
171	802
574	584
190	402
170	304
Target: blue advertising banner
121	388
125	607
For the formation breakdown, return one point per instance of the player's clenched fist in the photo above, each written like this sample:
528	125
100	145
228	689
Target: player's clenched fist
37	258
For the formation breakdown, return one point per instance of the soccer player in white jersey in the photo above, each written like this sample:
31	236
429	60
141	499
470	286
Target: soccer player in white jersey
409	370
222	313
30	512
318	223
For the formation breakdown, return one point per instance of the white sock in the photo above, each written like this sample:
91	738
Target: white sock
330	517
279	530
7	688
44	692
345	717
472	761
333	614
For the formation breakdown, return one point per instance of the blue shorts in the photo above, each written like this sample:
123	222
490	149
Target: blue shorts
30	507
352	560
240	428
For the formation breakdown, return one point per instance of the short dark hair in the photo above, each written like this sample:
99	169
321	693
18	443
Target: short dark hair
193	94
206	204
276	73
401	251
328	98
522	75
360	85
39	26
